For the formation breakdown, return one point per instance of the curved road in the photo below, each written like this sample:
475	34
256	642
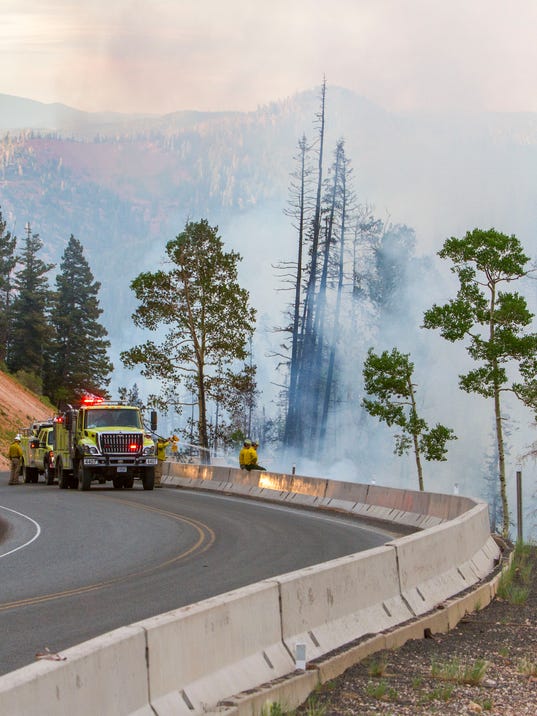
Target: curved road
74	565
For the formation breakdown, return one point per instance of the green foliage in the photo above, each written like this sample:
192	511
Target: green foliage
131	396
29	328
494	324
203	320
441	693
77	357
515	582
273	708
472	673
377	666
388	377
527	667
381	690
312	707
7	264
30	380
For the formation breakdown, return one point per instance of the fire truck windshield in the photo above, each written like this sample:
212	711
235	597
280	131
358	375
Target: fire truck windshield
112	417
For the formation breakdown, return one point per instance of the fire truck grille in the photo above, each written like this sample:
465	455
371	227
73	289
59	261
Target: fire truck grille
120	443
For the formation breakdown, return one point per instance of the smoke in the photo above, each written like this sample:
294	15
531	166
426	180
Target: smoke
359	448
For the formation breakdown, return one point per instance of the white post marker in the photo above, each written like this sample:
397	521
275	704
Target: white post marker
300	657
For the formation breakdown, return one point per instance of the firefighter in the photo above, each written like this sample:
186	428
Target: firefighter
251	459
244	455
175	447
162	444
15	457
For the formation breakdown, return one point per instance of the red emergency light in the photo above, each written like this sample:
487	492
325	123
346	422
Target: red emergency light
133	447
91	400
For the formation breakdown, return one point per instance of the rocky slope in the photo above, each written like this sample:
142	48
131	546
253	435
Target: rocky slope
18	408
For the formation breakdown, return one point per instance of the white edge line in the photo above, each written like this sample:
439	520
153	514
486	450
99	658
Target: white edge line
37	526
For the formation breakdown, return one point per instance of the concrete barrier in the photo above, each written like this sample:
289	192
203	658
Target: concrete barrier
105	676
202	653
340	601
232	653
447	559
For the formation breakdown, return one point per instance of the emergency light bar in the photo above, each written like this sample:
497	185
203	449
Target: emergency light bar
91	400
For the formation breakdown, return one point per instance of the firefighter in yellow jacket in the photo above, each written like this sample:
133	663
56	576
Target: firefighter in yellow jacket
162	444
15	457
253	461
245	455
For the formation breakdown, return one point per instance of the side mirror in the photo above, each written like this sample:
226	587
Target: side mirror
153	421
68	420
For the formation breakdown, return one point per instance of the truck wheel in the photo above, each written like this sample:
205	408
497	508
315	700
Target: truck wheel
63	482
49	475
84	477
63	479
148	478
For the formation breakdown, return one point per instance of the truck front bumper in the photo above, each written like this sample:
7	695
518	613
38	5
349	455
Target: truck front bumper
118	461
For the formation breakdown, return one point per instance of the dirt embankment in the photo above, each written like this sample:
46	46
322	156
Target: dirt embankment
18	409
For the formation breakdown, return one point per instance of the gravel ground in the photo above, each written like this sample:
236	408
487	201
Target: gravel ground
419	677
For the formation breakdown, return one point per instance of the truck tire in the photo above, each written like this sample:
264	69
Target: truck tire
148	478
84	476
30	474
63	480
48	474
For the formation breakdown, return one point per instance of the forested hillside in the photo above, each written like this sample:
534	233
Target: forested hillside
124	186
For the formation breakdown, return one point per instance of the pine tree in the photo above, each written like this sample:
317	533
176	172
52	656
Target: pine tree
77	361
30	333
7	265
207	316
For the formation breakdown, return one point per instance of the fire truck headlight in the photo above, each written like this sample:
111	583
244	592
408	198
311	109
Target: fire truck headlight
90	450
149	450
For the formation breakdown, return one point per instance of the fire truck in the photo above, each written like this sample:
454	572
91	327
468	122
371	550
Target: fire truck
103	441
37	444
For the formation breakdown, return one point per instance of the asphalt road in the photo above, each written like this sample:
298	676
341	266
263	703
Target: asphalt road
74	565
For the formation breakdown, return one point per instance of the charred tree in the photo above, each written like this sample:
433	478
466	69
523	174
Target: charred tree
342	174
299	209
305	384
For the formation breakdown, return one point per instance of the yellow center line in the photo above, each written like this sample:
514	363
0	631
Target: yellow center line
206	538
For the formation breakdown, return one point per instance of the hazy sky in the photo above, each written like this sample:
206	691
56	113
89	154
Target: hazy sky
166	55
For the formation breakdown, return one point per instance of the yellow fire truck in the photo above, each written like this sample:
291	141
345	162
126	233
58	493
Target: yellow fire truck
103	441
37	444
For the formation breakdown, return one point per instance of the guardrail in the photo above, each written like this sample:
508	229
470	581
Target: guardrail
235	652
